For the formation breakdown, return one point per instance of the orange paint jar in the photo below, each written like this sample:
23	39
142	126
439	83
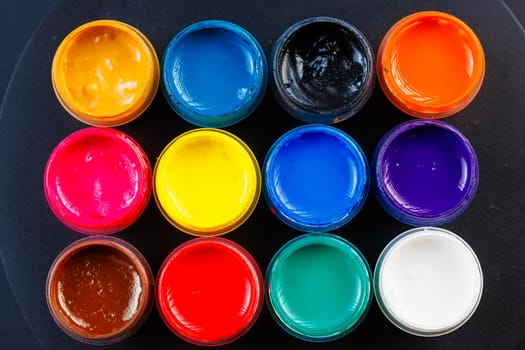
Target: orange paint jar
430	64
105	73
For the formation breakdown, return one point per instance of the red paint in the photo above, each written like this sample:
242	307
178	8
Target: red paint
209	291
98	181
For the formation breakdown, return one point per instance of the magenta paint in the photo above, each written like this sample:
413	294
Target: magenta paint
425	172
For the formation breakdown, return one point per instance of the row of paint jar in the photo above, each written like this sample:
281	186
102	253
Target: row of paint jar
214	73
210	291
207	181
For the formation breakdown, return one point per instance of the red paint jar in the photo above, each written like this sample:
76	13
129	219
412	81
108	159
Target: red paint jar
99	290
209	291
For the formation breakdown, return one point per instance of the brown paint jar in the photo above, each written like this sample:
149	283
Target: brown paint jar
99	290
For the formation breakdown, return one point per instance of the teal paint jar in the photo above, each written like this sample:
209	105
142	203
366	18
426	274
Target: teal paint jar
318	287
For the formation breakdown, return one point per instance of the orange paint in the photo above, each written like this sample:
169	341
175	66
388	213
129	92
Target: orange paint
105	73
430	64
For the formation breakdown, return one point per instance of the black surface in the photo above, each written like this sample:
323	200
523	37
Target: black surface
32	123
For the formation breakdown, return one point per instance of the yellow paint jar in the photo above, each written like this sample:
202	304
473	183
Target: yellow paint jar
207	182
105	73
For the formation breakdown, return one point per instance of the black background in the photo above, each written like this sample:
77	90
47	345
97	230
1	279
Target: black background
32	123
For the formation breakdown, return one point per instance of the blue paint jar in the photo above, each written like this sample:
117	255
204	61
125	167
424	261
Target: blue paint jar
214	73
425	172
322	70
316	178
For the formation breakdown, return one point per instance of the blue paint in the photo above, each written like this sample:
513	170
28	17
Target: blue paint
214	73
316	178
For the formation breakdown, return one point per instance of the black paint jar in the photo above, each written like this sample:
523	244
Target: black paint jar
322	70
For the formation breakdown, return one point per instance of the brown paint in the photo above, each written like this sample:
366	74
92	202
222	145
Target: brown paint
99	290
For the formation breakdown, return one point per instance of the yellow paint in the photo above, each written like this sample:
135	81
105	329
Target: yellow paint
207	182
105	73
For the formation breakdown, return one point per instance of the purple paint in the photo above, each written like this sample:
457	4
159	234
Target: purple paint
426	172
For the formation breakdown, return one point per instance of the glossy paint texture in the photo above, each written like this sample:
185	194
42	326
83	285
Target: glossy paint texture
426	172
430	64
209	291
105	73
214	73
323	70
97	181
316	178
428	281
318	287
99	290
207	182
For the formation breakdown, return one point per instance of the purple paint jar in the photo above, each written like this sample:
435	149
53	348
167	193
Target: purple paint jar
425	172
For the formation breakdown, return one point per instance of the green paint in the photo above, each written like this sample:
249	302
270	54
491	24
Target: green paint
319	287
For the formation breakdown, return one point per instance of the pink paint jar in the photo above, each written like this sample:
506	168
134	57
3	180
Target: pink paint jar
97	181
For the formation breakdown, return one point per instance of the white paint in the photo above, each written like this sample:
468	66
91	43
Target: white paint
428	281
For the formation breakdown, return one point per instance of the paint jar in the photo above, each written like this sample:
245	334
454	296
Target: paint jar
428	281
316	178
319	287
207	182
209	291
214	73
430	64
97	181
425	172
105	73
322	70
99	290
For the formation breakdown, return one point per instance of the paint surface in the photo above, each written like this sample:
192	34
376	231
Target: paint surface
207	182
319	286
98	180
316	177
429	280
105	70
209	291
432	63
323	66
427	170
99	291
213	70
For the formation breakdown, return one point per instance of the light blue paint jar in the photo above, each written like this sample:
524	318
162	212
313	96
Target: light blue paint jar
316	178
214	73
319	287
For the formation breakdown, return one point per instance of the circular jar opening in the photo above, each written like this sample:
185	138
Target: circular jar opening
428	281
323	70
214	73
99	290
426	172
97	181
105	73
430	64
207	182
318	287
209	291
316	178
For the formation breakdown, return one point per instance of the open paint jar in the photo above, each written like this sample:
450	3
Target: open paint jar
207	182
425	172
319	287
315	178
430	64
428	281
98	181
105	73
214	73
209	291
323	70
99	290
